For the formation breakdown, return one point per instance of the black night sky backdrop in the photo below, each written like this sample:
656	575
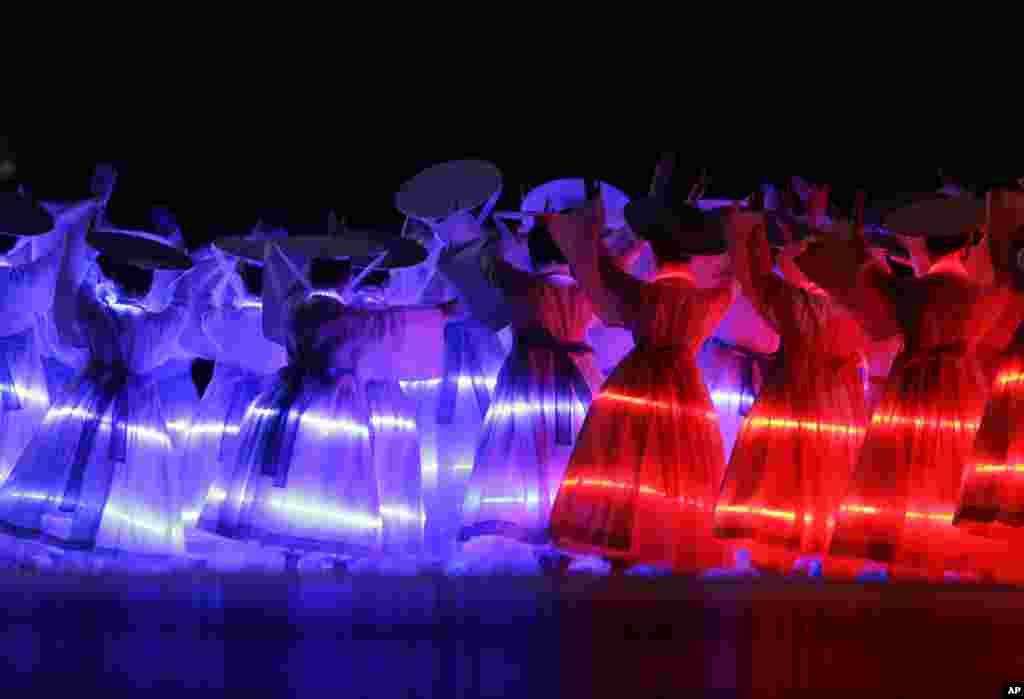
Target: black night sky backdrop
219	184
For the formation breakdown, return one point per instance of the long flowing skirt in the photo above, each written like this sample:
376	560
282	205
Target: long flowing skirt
539	406
992	503
450	414
396	460
24	396
179	398
793	462
733	378
642	482
100	475
303	477
907	482
212	447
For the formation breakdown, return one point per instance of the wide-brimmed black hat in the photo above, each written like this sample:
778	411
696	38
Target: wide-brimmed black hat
361	246
930	215
139	248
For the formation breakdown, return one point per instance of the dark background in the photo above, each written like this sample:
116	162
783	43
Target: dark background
221	185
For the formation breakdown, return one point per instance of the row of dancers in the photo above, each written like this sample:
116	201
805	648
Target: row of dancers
674	383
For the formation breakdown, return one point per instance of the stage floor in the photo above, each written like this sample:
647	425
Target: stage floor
436	636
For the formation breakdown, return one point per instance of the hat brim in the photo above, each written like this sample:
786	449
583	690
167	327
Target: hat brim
402	252
936	217
22	217
128	247
650	218
448	188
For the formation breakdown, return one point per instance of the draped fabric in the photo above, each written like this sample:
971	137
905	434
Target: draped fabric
541	399
246	364
734	377
992	500
26	293
649	460
798	445
450	417
100	475
396	458
905	488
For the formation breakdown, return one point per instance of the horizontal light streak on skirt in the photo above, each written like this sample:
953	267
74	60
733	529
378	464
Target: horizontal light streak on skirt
145	433
180	426
465	382
1006	468
647	403
324	513
521	408
763	511
214	428
945	517
503	500
731	400
382	421
956	425
1010	377
327	426
464	468
616	485
327	514
109	510
780	423
403	514
25	394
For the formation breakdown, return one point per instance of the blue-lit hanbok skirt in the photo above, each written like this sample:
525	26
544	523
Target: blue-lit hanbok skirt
543	392
24	396
734	377
450	414
99	476
211	451
303	478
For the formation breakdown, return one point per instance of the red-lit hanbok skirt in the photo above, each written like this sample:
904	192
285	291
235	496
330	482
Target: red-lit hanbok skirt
642	482
907	483
992	503
793	460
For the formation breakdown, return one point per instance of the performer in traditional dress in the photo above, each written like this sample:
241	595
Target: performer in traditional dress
451	407
900	506
992	499
742	353
99	477
26	290
229	313
797	449
540	402
643	478
305	478
179	395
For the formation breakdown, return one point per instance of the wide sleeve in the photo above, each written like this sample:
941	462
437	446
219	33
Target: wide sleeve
194	341
860	285
283	286
75	295
774	298
163	329
29	288
409	346
614	292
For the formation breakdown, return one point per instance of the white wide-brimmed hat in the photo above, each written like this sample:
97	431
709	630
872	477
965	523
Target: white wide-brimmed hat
362	246
568	195
449	188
